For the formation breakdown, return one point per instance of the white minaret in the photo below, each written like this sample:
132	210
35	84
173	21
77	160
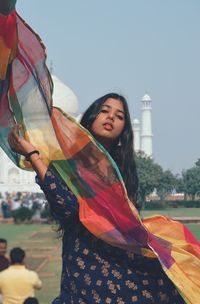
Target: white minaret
136	131
146	128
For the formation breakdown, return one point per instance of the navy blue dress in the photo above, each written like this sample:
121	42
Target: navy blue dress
95	272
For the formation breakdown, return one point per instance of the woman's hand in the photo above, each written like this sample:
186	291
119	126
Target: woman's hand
21	146
17	143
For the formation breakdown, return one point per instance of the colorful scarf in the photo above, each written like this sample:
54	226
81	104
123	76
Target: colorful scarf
81	162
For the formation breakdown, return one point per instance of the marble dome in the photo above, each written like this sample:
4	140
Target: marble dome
64	97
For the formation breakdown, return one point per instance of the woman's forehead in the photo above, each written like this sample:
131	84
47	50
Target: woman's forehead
114	104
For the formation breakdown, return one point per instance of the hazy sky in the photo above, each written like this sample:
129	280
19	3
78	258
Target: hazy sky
131	47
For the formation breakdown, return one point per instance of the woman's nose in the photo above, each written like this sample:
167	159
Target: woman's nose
111	115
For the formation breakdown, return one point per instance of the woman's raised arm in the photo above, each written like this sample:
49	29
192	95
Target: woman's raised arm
62	202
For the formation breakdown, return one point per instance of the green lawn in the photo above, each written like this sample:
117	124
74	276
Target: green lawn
13	232
173	212
41	243
195	229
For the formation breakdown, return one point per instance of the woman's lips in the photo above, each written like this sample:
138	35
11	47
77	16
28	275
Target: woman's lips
108	126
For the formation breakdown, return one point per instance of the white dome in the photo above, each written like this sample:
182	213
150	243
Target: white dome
64	97
146	97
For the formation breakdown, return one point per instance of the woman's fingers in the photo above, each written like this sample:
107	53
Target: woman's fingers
15	140
17	143
15	133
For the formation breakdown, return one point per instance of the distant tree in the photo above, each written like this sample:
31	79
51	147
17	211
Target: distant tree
191	180
166	184
149	174
179	184
197	164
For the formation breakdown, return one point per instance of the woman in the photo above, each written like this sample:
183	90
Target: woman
93	271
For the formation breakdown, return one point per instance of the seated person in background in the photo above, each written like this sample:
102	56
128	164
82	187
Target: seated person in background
4	262
17	283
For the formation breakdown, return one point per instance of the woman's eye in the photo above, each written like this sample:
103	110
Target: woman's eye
120	117
104	111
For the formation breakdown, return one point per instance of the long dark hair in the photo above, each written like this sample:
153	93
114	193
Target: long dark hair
122	150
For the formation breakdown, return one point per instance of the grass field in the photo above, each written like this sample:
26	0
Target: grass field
179	212
43	248
195	229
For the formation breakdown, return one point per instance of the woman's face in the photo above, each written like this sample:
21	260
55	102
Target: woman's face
109	123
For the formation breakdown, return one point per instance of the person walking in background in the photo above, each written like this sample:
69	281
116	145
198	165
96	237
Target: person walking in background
17	282
5	207
4	262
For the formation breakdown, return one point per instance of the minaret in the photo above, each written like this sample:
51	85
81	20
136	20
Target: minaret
136	131
146	132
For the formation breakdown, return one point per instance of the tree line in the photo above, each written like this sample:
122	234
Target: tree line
152	176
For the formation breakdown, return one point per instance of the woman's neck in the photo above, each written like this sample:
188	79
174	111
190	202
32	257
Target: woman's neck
107	144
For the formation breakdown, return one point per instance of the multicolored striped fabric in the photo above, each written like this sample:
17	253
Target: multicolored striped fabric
81	162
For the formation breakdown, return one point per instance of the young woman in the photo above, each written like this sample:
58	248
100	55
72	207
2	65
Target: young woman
93	271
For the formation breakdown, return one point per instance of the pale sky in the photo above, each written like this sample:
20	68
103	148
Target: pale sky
131	47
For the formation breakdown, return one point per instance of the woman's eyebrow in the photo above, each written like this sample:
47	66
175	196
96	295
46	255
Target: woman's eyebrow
112	107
